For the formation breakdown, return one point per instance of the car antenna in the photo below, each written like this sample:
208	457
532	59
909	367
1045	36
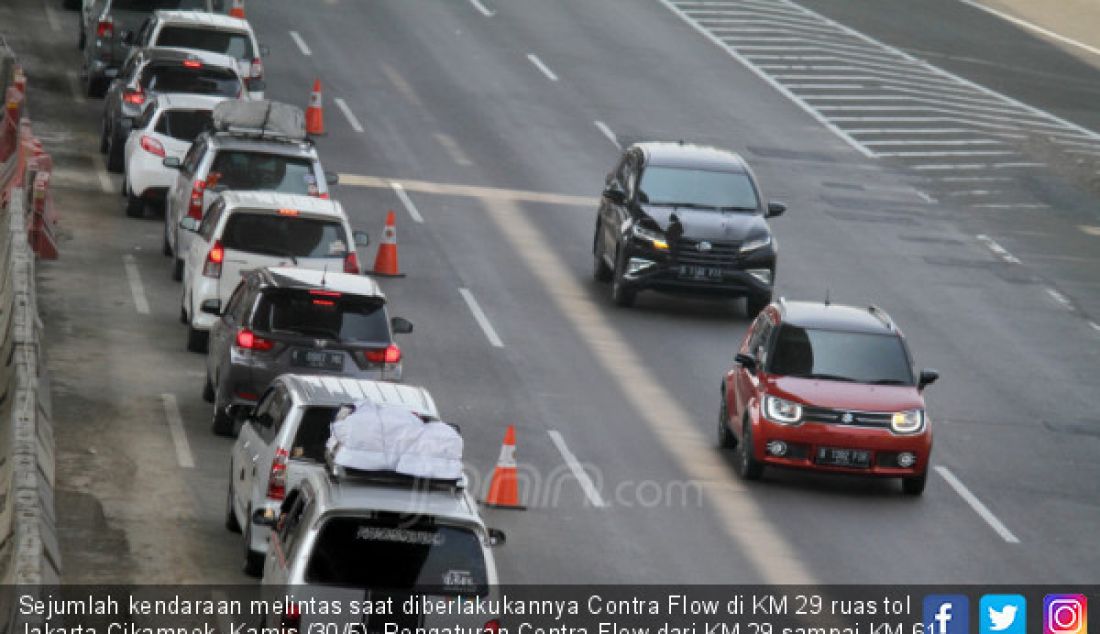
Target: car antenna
826	296
324	274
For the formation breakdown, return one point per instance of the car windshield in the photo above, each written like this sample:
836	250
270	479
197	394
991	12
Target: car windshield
260	171
697	188
148	6
234	44
184	125
396	552
349	318
840	356
205	80
313	432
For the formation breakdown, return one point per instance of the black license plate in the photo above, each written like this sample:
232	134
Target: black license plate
693	272
835	457
317	359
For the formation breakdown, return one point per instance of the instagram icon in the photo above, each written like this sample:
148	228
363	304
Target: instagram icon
1065	614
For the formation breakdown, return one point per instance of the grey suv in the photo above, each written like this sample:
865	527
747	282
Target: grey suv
303	321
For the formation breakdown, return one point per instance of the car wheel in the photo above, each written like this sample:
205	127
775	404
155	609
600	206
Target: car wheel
81	40
166	247
135	207
116	155
756	303
222	422
915	485
177	270
726	439
253	561
196	340
103	137
747	465
600	270
621	294
95	88
208	390
231	523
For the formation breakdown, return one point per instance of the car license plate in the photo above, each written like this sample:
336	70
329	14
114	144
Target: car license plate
317	359
843	457
693	272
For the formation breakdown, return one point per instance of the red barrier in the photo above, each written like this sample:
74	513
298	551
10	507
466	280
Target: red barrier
39	226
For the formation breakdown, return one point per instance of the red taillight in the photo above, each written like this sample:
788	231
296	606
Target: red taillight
214	259
152	146
325	293
351	263
136	97
276	481
257	70
105	28
192	63
194	208
323	196
292	619
492	627
389	354
249	341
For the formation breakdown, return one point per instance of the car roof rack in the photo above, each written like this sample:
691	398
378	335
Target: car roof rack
347	475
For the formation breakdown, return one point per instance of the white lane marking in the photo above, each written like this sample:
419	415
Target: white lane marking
482	8
825	86
997	249
75	87
975	179
137	289
934	142
301	43
1058	297
976	192
403	87
607	132
453	149
1095	326
542	67
175	427
946	153
1010	206
977	505
414	213
1091	230
482	320
100	169
925	197
579	473
1033	27
51	17
933	167
348	114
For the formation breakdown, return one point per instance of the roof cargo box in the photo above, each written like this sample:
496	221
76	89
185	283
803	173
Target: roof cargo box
268	119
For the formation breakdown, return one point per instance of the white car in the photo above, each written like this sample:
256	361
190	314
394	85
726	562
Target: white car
286	433
246	230
167	126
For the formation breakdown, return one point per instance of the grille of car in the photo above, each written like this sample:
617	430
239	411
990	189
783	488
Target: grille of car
720	254
836	416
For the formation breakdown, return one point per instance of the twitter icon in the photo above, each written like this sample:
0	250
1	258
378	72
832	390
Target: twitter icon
1002	614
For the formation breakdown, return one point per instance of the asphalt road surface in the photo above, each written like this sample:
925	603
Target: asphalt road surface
499	120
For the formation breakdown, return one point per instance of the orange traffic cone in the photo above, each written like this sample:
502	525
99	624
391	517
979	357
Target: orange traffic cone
385	263
237	9
315	117
504	487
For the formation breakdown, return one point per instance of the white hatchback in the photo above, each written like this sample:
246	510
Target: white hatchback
166	128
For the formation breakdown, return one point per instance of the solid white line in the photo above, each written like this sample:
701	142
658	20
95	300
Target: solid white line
1058	297
607	132
542	67
75	87
825	86
977	505
51	17
136	287
480	7
997	249
175	427
343	106
934	142
931	167
301	43
100	169
482	320
579	473
947	153
1033	27
414	213
1010	206
974	179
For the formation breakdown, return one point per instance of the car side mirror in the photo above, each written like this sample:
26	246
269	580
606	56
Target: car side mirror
362	238
189	224
746	362
332	178
264	517
616	196
776	208
497	537
927	377
171	163
212	307
401	326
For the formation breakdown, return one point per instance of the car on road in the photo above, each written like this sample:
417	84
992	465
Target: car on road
107	25
827	387
678	217
285	434
166	128
246	230
282	320
164	71
212	32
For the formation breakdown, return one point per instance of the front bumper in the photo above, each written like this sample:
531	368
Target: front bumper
647	268
804	440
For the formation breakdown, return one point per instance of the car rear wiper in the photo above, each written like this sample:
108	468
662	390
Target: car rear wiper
282	253
828	377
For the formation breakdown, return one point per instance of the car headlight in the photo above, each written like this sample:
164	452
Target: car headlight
782	411
756	243
648	235
909	422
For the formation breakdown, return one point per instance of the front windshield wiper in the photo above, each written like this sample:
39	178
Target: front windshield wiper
828	377
736	208
888	382
684	205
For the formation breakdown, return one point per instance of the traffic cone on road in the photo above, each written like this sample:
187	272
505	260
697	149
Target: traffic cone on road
237	9
504	487
385	263
315	117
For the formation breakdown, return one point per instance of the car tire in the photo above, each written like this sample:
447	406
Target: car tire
756	303
196	339
135	207
166	247
95	88
914	486
253	561
748	467
726	439
103	137
116	154
208	390
600	270
231	523
177	270
621	295
81	40
221	422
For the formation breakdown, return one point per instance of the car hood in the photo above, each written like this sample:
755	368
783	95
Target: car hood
848	396
701	224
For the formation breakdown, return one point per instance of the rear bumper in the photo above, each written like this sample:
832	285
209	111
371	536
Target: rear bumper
803	442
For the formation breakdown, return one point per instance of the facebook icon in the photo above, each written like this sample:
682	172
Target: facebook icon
946	614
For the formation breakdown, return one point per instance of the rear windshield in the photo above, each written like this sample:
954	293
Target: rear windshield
313	433
184	125
285	236
176	77
269	172
148	6
350	318
235	45
390	551
840	356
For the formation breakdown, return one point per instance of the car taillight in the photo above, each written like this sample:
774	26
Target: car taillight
214	259
323	196
292	619
192	63
276	481
257	70
136	97
194	208
351	263
249	341
491	627
105	27
389	354
152	146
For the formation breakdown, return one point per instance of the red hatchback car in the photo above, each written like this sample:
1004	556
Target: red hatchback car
827	387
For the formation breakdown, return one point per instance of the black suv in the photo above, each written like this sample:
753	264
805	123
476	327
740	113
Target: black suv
685	218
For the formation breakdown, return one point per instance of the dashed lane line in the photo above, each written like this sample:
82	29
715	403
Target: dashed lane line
1095	326
1057	296
302	46
100	169
402	86
481	319
1091	230
607	132
137	289
470	191
997	249
175	428
348	114
585	482
981	509
75	88
543	68
482	9
406	202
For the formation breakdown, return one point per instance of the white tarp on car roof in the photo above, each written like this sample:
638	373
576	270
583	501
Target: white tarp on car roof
378	437
272	117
